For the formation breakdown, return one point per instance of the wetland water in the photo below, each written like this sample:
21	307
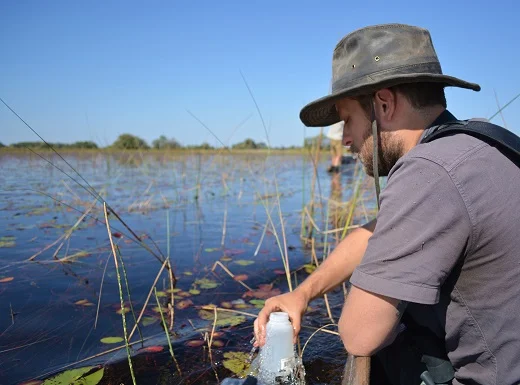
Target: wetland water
58	285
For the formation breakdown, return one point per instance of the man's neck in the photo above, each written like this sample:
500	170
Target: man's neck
418	123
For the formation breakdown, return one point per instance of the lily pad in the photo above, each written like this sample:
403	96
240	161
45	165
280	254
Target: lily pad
187	273
81	376
237	363
175	290
244	262
7	242
158	310
161	294
205	283
6	279
126	309
84	302
184	304
231	252
309	268
240	277
264	291
211	249
146	321
151	349
225	258
194	292
259	303
112	340
194	343
223	318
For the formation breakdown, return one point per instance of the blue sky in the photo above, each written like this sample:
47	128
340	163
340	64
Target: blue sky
94	70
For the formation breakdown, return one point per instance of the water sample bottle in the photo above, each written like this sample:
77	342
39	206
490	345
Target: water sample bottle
277	356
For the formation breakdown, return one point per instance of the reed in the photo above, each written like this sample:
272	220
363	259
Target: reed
120	295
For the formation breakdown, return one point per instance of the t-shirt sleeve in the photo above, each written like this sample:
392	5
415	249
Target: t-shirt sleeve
422	230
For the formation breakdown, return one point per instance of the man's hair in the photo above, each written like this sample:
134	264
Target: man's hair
420	95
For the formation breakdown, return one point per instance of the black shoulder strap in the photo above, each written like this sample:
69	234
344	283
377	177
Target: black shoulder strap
491	133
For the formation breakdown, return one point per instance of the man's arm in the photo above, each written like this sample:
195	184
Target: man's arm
369	321
339	265
337	268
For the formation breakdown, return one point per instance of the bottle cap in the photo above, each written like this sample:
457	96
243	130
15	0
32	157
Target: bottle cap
279	316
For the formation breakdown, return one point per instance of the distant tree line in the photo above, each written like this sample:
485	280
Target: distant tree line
132	142
82	144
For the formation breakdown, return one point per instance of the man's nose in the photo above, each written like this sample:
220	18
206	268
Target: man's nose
347	139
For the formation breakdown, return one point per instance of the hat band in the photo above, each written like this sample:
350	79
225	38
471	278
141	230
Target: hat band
420	71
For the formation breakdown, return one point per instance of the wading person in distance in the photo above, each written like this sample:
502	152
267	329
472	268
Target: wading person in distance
435	276
335	135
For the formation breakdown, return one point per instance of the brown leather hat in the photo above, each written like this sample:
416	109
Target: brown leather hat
377	57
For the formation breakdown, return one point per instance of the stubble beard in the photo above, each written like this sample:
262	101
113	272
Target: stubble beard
391	148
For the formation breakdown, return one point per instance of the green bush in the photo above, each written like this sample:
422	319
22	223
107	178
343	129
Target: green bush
248	144
164	143
129	142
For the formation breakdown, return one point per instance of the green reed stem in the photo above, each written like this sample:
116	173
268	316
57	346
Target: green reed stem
353	202
114	253
128	293
167	233
165	328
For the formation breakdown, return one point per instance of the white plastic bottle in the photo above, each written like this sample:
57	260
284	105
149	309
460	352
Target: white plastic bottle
278	353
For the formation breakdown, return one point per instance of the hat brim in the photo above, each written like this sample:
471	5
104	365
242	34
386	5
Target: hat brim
322	112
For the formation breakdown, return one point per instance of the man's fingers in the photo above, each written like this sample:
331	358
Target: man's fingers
259	325
296	323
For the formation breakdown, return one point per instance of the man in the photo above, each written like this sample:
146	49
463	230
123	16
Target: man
335	135
445	243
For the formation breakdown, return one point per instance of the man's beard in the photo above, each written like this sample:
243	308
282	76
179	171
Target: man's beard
391	148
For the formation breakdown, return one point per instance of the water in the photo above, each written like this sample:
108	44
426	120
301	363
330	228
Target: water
56	308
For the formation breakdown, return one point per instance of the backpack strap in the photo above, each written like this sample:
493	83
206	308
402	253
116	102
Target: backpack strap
494	135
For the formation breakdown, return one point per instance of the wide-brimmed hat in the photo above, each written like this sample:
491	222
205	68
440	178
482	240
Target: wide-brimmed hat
377	57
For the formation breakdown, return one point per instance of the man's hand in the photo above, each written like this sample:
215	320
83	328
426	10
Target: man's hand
336	268
294	303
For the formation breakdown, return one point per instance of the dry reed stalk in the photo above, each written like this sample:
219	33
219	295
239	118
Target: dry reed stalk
312	335
66	235
325	296
148	298
101	291
500	109
218	263
210	307
261	239
285	256
337	230
212	333
224	225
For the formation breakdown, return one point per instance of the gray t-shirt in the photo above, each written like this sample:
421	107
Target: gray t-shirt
448	241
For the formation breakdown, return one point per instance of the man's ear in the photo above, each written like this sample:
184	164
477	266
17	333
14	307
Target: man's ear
385	104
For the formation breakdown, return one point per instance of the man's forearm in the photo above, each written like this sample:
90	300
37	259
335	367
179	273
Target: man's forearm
339	265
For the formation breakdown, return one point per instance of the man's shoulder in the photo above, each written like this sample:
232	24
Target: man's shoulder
447	151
